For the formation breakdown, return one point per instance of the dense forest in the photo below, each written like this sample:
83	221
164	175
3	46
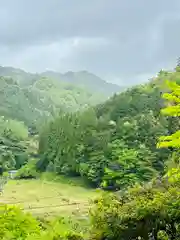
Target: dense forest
112	145
126	144
42	99
29	100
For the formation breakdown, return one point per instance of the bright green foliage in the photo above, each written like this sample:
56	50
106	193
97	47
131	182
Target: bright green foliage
28	171
173	109
143	211
59	229
16	225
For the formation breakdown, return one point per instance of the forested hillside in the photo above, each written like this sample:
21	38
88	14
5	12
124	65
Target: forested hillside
86	80
127	141
114	144
41	99
83	79
27	101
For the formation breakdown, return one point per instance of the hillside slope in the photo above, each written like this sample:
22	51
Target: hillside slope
86	80
42	98
114	143
83	79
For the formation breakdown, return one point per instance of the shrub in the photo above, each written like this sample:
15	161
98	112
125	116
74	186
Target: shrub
28	171
14	224
73	236
58	229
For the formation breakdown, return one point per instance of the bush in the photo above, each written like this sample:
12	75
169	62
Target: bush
151	209
73	236
28	171
14	224
17	225
58	229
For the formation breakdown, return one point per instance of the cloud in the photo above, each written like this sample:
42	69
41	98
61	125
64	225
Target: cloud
122	41
57	56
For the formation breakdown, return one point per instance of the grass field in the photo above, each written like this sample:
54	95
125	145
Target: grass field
49	196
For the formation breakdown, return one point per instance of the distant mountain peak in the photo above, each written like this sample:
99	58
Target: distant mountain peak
83	78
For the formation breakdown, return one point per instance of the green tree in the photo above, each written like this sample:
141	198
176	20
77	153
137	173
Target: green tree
173	109
144	211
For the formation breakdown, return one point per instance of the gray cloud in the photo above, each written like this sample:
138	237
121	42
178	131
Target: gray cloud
122	41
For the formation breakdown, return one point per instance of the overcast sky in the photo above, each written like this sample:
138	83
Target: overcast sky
125	41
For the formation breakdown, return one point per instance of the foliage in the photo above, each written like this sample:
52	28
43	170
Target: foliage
13	129
13	135
32	104
41	98
113	144
60	228
150	211
142	211
128	166
14	224
28	171
173	109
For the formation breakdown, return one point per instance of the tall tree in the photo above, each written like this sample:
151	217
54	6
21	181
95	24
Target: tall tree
173	109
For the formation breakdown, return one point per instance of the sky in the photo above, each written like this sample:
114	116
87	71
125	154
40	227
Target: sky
122	41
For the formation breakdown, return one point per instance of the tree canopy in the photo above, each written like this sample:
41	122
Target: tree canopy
112	145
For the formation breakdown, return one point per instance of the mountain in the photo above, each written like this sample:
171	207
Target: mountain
42	98
82	79
86	80
19	75
32	97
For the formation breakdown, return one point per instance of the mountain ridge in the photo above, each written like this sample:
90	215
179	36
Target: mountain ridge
82	78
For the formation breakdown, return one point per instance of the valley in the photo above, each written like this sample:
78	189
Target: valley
89	171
